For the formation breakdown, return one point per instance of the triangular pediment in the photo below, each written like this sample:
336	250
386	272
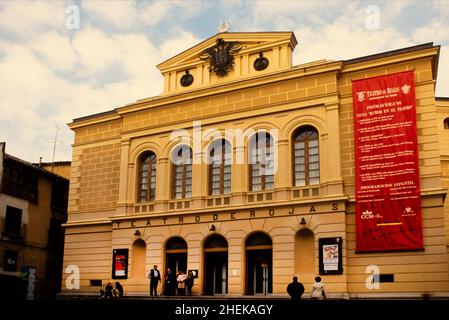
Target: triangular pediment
250	41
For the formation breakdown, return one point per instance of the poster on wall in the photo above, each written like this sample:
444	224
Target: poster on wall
330	255
120	264
388	201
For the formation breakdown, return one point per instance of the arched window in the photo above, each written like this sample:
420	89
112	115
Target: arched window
220	156
258	239
306	158
182	172
261	162
215	242
446	123
147	177
175	244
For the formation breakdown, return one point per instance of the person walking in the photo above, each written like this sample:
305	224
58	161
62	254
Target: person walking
295	289
318	289
189	283
155	276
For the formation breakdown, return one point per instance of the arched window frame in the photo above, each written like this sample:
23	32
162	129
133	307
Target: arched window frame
219	168
181	173
257	169
306	156
147	177
446	123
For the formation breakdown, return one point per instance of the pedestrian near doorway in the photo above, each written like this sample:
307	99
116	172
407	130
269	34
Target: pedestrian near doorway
170	283
189	282
318	289
181	283
295	289
155	276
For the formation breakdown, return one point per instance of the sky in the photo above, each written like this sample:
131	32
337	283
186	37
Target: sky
61	60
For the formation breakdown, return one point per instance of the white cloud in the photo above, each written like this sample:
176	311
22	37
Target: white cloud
34	93
177	44
153	13
26	18
436	31
96	50
442	88
339	41
56	50
121	14
50	75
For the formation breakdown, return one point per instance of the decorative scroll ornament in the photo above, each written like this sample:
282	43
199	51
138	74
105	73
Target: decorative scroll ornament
221	56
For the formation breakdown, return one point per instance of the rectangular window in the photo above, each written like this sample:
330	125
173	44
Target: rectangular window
13	221
386	277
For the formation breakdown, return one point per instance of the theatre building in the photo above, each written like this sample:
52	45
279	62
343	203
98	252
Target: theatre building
249	170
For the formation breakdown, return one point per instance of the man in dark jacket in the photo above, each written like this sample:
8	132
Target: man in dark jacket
155	277
295	289
170	283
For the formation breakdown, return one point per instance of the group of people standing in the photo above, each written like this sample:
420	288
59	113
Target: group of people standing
181	284
175	284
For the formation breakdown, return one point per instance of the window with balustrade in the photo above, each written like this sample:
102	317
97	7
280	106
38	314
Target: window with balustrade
182	172
261	159
147	177
219	159
306	158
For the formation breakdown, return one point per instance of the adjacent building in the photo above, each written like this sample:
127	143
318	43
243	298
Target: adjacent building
244	171
33	207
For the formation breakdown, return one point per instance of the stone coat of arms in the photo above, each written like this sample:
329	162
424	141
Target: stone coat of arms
221	56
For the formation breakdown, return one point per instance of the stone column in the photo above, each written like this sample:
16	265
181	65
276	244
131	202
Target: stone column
282	176
334	177
123	202
239	176
163	184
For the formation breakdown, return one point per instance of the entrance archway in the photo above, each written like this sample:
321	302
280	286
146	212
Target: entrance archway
215	265
305	256
138	261
259	264
176	254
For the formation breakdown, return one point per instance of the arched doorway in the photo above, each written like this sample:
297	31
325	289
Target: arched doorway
259	264
305	256
138	261
215	265
176	254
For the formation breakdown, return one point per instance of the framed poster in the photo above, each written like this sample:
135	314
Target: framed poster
330	255
120	264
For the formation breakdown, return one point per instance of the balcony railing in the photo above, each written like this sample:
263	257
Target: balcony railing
14	236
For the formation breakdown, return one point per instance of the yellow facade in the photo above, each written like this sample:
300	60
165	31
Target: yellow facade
37	240
105	211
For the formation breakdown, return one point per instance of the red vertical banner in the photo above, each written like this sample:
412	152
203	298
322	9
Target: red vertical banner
388	199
